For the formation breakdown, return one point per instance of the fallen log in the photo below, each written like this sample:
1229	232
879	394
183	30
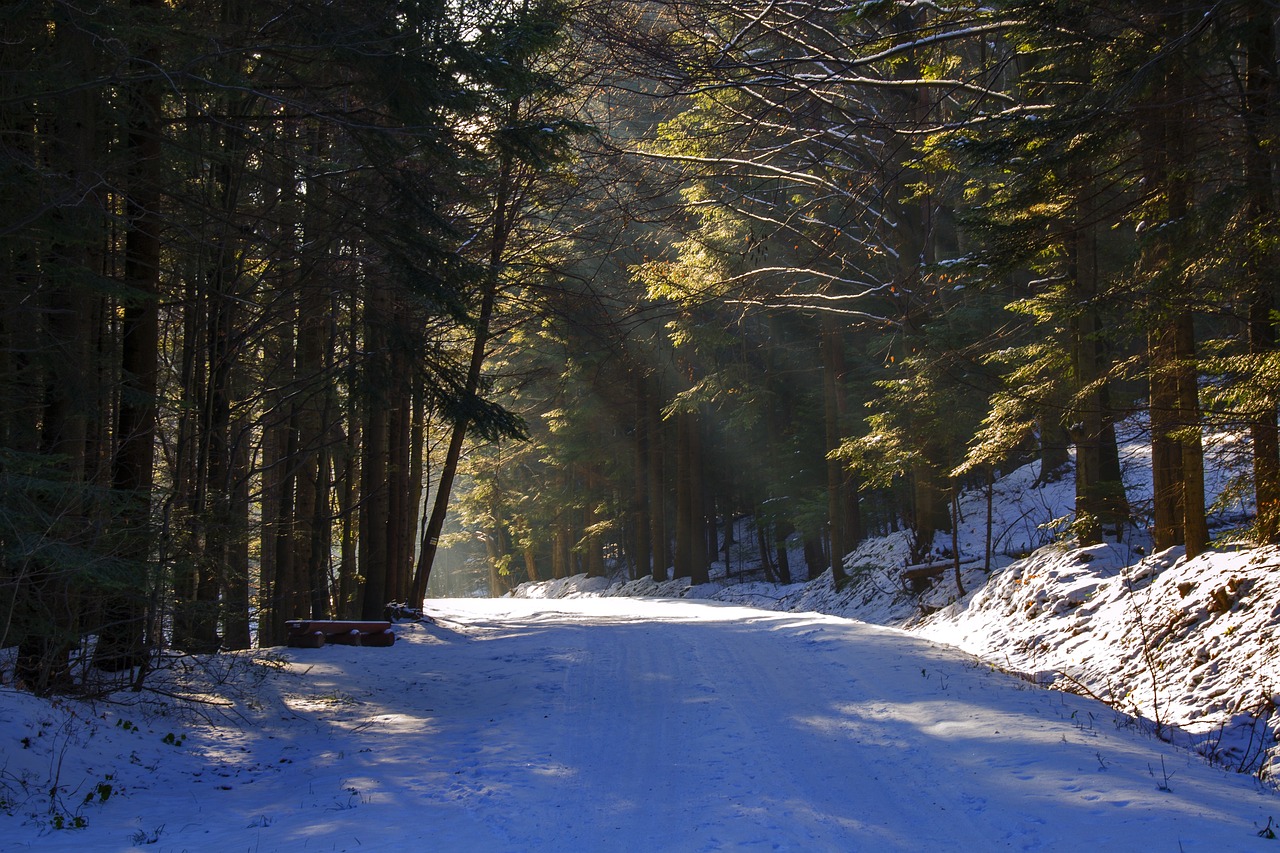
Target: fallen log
917	577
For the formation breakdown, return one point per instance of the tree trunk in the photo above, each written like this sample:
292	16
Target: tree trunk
46	617
762	542
235	610
1166	451
1194	524
122	641
781	531
1055	447
531	564
1086	350
400	514
374	456
1176	456
814	557
832	377
955	537
347	605
931	508
699	559
593	541
505	207
657	484
1100	500
1261	264
640	474
684	492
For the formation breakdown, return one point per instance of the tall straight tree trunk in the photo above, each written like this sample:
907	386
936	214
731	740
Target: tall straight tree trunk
1166	452
562	535
684	491
216	462
657	483
316	570
1194	524
1176	454
1177	458
268	509
594	542
640	474
316	337
122	641
47	613
699	559
311	488
417	475
347	604
1261	265
397	493
373	514
781	531
235	610
290	600
222	366
832	376
402	514
374	456
1100	498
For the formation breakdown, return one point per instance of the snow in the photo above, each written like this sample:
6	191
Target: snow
598	714
610	723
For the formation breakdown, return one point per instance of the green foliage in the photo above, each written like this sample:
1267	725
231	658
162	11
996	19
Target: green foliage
101	792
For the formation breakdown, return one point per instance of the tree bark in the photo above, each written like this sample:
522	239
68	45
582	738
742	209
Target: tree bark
1194	524
658	538
684	492
640	474
1260	267
832	377
1166	452
122	641
699	559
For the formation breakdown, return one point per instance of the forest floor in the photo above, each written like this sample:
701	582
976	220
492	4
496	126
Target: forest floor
613	724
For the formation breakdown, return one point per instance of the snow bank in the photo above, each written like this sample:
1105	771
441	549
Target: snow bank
1190	645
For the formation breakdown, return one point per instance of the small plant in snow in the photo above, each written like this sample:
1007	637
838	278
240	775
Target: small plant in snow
142	837
60	821
101	792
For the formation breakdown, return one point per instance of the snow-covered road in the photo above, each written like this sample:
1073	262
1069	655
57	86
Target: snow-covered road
650	725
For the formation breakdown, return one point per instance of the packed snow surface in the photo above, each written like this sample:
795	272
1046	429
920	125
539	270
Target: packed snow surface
621	724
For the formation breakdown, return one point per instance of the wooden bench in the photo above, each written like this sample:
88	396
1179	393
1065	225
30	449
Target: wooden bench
314	633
